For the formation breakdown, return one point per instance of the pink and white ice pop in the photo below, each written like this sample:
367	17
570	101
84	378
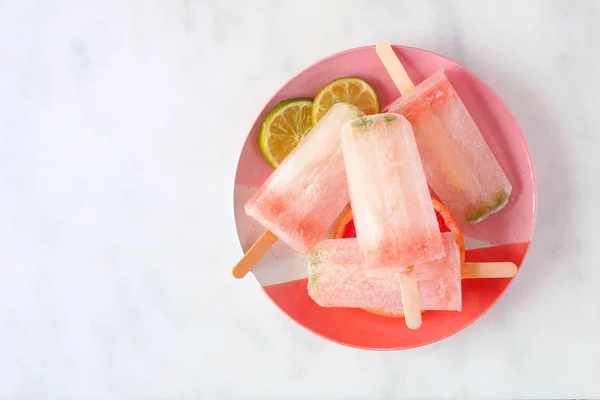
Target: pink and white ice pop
306	193
338	278
395	222
459	165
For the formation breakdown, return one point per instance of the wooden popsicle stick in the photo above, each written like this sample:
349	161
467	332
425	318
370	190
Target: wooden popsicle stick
410	299
394	67
256	252
488	270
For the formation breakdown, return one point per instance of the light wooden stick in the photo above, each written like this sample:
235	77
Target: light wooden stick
488	270
394	67
256	252
410	299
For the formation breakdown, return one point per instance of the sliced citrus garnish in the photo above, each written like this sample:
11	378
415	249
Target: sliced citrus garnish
283	128
354	91
345	226
386	313
446	221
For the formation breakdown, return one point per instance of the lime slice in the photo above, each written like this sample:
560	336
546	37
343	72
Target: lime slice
284	127
354	91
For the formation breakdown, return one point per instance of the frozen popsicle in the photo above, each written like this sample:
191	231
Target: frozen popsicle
338	278
393	213
395	222
306	193
458	164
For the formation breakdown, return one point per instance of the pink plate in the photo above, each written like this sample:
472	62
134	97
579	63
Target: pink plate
505	236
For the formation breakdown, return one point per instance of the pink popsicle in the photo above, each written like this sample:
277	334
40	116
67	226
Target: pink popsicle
458	163
395	222
307	192
337	278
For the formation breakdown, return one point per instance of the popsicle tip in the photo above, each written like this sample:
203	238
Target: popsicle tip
252	256
238	273
382	48
394	67
512	269
413	323
488	209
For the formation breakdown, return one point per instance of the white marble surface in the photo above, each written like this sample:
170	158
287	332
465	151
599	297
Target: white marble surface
120	126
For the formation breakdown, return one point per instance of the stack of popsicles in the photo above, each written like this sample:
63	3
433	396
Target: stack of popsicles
383	164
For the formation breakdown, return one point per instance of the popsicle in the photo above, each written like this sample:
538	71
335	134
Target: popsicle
459	165
393	213
395	222
338	278
306	193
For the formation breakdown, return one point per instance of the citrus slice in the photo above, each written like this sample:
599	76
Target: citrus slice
354	91
386	313
345	225
446	221
283	128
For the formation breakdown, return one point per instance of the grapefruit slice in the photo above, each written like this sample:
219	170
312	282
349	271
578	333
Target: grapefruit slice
446	221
